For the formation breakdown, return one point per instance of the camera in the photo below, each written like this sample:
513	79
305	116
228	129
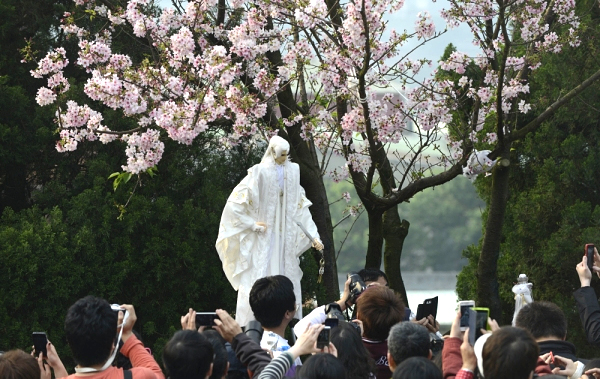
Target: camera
254	330
333	314
357	286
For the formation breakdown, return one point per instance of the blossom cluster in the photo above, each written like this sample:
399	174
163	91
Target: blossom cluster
205	73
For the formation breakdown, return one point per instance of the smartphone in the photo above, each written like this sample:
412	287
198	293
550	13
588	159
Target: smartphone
464	306
40	340
472	325
551	358
324	337
589	253
481	321
429	307
205	318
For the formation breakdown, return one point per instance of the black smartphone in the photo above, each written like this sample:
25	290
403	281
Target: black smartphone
324	337
205	318
40	340
429	307
589	253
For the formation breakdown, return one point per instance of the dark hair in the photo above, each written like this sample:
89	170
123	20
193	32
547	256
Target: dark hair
417	368
592	363
379	308
509	353
17	364
220	353
321	366
187	355
91	329
407	339
542	319
352	353
270	298
372	274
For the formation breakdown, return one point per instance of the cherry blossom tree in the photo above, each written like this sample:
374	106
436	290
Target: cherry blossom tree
313	71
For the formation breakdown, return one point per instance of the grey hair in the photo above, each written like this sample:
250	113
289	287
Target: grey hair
408	339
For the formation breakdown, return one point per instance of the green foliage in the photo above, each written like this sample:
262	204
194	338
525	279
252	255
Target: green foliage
554	203
443	221
160	257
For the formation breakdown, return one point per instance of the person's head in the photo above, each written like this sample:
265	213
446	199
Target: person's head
321	366
273	301
510	353
373	275
17	364
220	361
592	363
91	329
352	352
407	339
188	355
379	308
417	368
277	150
543	319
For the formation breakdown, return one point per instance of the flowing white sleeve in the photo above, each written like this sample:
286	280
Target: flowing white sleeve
236	238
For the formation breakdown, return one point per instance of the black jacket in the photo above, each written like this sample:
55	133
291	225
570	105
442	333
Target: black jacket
250	354
589	312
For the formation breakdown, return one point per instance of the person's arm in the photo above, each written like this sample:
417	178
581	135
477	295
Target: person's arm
458	358
248	352
317	316
134	349
306	344
277	368
54	361
587	304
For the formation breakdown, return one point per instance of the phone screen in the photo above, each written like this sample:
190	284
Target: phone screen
39	343
464	315
480	323
205	318
323	339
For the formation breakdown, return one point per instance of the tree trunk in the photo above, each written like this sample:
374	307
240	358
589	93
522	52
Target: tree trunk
395	231
487	278
375	244
313	185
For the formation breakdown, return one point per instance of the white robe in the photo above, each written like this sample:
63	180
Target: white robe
272	194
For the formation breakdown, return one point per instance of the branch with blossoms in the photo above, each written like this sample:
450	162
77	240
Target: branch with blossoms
213	64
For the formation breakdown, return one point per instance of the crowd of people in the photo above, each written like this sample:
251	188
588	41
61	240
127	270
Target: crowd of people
381	340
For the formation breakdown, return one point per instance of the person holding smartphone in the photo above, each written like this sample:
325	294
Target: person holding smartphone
587	301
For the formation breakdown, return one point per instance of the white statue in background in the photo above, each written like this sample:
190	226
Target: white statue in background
523	295
258	234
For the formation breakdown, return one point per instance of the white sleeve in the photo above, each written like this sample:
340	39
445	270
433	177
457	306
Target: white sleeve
317	316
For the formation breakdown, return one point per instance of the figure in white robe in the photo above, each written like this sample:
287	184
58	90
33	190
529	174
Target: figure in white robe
258	234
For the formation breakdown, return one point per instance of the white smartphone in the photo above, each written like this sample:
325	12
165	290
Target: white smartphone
464	305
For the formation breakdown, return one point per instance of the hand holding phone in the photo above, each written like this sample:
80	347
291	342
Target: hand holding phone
324	337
